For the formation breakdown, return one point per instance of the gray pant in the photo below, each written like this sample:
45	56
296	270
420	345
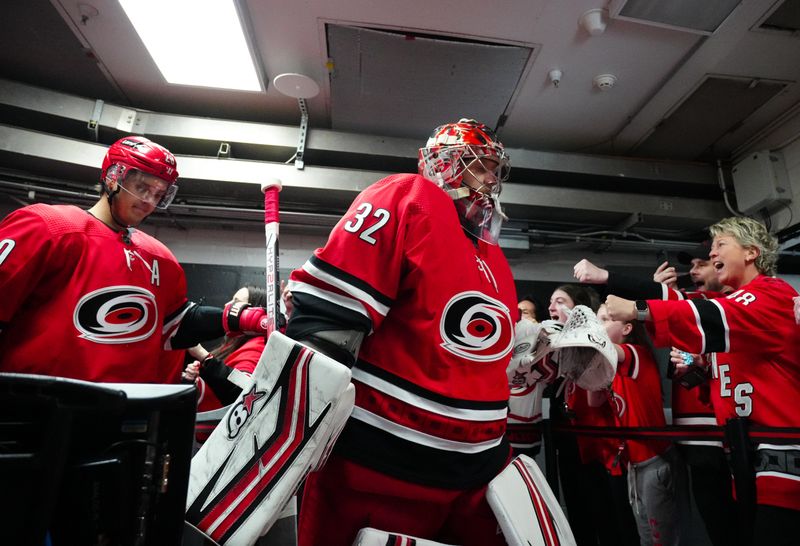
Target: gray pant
652	494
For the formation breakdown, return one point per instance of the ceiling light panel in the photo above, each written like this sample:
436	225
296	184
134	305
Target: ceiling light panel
196	42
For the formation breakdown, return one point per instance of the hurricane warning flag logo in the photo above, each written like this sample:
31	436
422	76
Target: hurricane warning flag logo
476	327
116	314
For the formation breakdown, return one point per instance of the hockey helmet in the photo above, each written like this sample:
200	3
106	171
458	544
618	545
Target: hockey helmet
456	148
142	154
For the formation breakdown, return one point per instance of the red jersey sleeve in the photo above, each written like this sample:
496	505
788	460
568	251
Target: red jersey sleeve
26	256
357	273
751	318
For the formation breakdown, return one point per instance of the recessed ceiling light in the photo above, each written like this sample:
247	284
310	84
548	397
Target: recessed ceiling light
195	42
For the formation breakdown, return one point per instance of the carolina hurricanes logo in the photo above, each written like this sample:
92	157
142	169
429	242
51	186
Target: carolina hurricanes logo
116	314
476	327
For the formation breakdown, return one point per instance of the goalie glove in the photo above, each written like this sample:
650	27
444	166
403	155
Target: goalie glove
531	345
242	318
586	355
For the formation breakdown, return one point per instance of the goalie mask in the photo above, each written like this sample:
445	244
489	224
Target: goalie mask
136	153
467	161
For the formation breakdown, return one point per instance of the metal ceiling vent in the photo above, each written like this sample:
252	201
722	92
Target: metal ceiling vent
418	81
687	15
715	109
785	18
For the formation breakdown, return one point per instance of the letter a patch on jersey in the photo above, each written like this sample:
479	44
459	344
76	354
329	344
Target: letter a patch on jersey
281	427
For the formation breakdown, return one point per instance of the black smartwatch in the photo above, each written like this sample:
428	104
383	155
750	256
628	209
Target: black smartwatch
641	310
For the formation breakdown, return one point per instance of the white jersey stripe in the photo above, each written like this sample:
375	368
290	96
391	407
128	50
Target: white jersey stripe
423	403
355	292
778	447
773	474
418	437
635	374
695	421
709	443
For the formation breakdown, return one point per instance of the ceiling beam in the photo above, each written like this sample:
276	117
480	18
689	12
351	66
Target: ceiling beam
326	186
281	140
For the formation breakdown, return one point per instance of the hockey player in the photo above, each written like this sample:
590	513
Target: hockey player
755	363
87	296
414	293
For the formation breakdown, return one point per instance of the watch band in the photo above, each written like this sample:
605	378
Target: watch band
641	310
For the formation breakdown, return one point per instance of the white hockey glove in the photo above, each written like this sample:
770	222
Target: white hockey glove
531	345
585	353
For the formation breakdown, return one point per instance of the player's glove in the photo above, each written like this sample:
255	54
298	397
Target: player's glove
242	318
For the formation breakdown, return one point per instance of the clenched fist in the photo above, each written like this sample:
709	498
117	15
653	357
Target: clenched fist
586	272
620	308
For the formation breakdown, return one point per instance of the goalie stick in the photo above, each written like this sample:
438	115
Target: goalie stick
271	189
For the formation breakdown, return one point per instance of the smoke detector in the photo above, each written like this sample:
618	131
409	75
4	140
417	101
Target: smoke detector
604	81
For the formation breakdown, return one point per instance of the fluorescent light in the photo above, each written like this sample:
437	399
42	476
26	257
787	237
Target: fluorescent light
195	42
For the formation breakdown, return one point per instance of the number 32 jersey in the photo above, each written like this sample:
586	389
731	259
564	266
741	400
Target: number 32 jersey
431	385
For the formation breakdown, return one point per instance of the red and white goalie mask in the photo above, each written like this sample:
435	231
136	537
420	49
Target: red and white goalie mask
467	161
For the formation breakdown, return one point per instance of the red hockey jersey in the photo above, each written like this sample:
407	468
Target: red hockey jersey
79	302
431	385
603	449
637	402
756	367
692	407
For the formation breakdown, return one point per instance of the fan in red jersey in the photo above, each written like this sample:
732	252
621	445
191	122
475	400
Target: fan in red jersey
755	360
691	404
87	296
412	291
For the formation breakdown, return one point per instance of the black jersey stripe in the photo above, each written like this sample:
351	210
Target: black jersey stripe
395	456
312	314
352	280
634	359
408	386
712	325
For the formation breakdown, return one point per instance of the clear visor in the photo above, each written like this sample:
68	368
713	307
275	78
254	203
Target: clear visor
147	188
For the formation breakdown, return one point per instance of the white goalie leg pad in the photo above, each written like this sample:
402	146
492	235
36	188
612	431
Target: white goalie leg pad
524	416
277	431
374	537
585	352
525	507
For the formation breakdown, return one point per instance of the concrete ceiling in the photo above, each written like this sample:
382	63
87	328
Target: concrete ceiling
573	137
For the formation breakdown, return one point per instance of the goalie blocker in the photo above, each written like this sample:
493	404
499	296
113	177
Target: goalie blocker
282	426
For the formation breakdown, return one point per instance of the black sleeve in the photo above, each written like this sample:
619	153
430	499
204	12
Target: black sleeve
312	314
200	323
634	287
215	374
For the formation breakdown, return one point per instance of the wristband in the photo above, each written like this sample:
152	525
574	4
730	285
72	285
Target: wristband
641	310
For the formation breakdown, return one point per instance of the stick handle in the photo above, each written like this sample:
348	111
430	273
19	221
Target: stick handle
271	189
